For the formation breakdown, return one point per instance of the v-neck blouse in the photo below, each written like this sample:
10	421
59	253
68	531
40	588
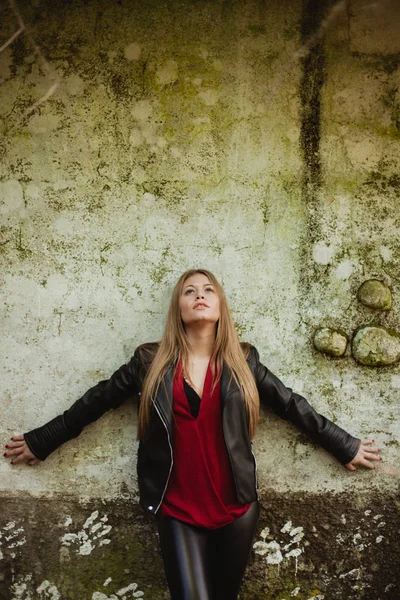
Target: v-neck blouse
193	398
201	489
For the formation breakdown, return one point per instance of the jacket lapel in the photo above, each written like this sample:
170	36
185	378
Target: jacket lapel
228	384
164	398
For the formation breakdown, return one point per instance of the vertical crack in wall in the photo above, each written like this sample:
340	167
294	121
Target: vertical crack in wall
312	81
310	96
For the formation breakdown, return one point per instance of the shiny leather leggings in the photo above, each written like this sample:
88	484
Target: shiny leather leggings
206	564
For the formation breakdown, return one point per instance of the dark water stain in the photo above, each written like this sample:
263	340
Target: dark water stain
312	80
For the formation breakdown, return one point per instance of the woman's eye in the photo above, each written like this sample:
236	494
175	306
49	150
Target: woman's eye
209	290
189	292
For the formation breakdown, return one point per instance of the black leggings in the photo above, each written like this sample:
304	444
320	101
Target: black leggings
206	564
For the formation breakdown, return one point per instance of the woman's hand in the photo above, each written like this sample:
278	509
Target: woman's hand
365	454
20	452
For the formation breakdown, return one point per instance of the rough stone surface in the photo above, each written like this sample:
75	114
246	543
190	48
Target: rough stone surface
375	294
330	341
106	550
258	139
376	346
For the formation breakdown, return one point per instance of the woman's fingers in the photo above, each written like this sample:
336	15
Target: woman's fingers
14	451
365	454
371	456
19	451
350	467
22	457
12	444
365	463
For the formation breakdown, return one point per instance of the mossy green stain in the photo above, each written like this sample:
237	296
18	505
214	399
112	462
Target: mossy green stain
161	270
388	63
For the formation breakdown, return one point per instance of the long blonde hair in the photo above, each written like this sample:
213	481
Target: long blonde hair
227	348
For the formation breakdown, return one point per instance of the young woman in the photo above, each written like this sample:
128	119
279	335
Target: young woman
200	390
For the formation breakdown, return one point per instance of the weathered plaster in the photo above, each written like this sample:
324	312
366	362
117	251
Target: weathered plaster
231	135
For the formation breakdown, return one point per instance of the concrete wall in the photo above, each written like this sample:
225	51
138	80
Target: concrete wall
260	140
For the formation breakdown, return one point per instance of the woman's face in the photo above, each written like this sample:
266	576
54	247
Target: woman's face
199	301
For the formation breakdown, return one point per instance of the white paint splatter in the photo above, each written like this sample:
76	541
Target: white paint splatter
295	553
68	521
48	591
295	591
362	536
358	543
11	538
126	593
354	573
21	588
275	552
91	536
107	581
272	551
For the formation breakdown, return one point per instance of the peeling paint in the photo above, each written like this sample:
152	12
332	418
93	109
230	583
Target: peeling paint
275	552
90	537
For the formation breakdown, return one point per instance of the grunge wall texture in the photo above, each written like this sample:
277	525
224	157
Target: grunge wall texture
259	139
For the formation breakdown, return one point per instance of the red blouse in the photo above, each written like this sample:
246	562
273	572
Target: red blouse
201	490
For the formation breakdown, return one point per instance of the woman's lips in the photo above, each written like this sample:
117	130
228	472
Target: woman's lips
200	305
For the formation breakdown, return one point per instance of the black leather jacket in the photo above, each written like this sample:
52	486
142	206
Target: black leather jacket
155	455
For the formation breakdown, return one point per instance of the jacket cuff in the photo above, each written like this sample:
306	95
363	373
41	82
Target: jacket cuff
350	451
341	444
44	440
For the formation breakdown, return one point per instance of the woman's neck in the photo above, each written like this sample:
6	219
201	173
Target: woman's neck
201	341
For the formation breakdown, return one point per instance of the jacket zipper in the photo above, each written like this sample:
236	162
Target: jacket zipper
255	469
172	460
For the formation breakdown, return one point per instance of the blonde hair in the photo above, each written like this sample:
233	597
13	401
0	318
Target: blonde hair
227	348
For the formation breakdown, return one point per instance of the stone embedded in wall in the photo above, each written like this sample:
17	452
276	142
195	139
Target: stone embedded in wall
330	341
375	294
376	346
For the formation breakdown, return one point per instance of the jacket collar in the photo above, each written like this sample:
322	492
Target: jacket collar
163	400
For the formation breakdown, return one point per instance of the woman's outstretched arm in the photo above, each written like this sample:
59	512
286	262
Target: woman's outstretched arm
35	445
349	450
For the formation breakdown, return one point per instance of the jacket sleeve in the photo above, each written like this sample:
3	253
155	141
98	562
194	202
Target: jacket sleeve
107	394
294	408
